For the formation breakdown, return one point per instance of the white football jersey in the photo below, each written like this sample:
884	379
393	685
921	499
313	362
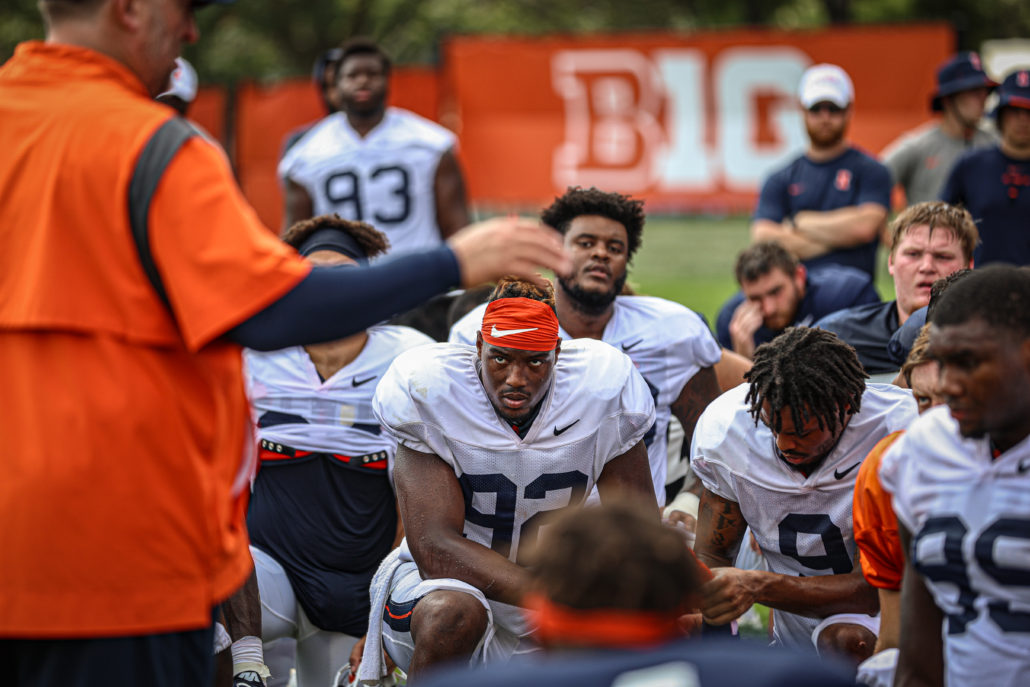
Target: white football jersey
596	409
386	178
293	406
666	341
802	524
969	515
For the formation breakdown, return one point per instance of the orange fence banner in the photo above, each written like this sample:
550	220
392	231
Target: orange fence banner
688	121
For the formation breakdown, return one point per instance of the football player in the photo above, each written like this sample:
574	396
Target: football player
322	447
671	345
369	162
962	493
780	455
490	438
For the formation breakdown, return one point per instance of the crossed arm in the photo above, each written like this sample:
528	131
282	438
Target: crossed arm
811	233
720	530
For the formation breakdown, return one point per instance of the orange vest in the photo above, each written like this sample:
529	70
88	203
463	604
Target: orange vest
126	429
875	525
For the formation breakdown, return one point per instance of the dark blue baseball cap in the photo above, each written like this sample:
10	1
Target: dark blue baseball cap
1014	91
963	72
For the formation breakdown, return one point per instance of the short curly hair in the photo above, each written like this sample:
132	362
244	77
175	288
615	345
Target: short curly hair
515	287
372	241
577	201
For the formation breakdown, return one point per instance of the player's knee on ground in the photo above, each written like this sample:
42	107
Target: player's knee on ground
448	624
851	642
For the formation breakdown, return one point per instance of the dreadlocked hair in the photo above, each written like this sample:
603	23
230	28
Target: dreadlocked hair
514	287
371	240
810	371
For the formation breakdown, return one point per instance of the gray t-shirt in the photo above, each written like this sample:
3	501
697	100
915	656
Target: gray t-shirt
920	160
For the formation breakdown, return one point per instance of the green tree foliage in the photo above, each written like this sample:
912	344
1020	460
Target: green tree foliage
266	40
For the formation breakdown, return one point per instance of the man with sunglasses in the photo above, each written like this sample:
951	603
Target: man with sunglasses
828	205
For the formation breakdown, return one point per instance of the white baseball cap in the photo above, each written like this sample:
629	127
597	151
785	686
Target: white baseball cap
183	82
826	83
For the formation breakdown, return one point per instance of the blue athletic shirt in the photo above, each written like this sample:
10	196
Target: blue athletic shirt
868	328
851	179
827	290
996	190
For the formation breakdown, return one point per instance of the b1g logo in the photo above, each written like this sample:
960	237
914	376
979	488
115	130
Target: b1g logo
668	120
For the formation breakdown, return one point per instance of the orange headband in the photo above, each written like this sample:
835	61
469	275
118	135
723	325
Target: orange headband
522	323
557	624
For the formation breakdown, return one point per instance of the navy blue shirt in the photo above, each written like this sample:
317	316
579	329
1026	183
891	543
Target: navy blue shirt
996	191
868	328
342	524
902	340
851	179
827	290
716	663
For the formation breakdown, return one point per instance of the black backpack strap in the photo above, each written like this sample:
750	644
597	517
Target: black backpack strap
156	155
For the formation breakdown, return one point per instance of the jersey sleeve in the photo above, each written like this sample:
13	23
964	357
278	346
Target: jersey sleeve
772	201
222	272
636	412
397	410
709	447
876	185
892	478
464	330
875	525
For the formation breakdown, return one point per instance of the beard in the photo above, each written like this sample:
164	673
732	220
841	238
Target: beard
821	138
591	302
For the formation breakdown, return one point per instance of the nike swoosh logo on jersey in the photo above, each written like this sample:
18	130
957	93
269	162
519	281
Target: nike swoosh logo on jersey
563	429
1023	466
359	382
494	331
626	347
841	475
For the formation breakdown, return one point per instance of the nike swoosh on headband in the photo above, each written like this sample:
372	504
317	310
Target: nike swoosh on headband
494	331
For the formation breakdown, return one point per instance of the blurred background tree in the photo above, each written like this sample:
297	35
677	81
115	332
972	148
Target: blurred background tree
271	40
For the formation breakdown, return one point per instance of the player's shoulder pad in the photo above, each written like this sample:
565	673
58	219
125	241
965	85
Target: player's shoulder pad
896	405
407	125
464	330
726	421
589	366
399	337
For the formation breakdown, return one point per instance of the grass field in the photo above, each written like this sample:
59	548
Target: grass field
690	260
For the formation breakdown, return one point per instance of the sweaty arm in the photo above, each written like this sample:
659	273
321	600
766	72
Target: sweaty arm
433	510
720	529
297	204
921	657
449	191
843	227
628	475
697	393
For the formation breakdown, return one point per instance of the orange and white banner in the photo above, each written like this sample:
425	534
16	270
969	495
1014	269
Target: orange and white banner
691	121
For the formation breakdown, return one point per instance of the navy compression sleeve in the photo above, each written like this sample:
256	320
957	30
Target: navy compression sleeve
334	302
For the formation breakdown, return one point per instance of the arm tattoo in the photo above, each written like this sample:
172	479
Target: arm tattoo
720	529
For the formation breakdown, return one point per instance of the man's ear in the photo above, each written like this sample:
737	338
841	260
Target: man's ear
479	343
557	349
128	14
